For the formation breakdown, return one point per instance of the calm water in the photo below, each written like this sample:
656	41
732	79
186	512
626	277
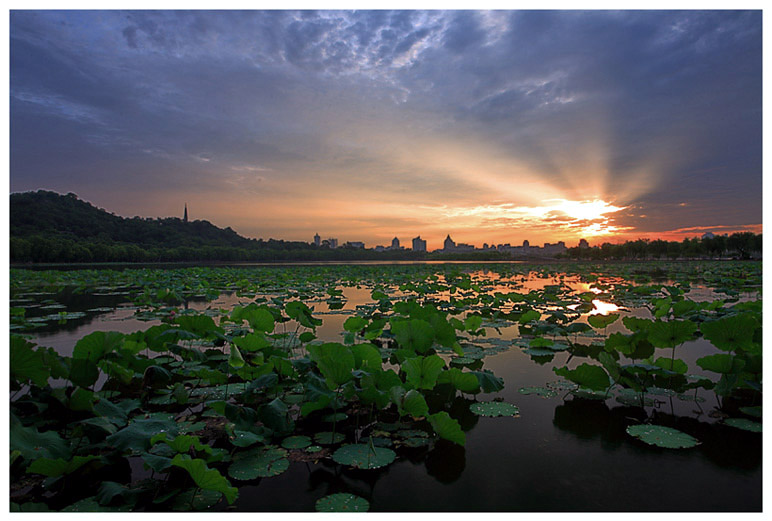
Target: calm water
559	455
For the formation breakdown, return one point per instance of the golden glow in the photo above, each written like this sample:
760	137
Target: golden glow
603	308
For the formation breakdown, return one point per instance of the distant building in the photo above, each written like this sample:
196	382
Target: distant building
355	244
185	216
333	243
708	235
461	246
526	244
583	244
395	244
448	244
380	248
419	244
317	240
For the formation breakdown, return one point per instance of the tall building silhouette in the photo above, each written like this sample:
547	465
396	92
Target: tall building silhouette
185	216
419	244
317	240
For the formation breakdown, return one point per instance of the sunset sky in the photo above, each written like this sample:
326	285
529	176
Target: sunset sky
490	126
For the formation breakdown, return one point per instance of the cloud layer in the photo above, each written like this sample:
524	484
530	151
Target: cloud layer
366	125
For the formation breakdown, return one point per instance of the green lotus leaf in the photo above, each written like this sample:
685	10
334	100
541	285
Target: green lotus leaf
529	316
447	427
466	382
204	477
26	363
33	444
720	363
422	371
676	365
672	333
731	333
196	499
754	411
367	357
262	462
313	448
335	361
409	402
660	436
137	434
58	467
414	334
744	424
494	409
489	383
96	345
363	456
354	324
585	375
602	321
342	502
538	391
296	442
329	438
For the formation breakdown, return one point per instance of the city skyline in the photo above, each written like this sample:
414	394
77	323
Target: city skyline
498	126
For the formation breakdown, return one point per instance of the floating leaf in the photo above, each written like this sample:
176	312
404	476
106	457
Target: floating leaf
364	456
296	442
744	424
342	502
662	436
539	391
329	438
602	321
262	462
494	409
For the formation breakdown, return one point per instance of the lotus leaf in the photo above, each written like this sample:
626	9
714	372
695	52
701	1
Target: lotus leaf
539	391
660	436
342	502
329	438
363	456
494	409
744	424
261	462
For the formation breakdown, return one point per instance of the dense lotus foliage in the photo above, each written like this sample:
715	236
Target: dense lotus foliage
208	399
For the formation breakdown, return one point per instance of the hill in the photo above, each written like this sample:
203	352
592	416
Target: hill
50	227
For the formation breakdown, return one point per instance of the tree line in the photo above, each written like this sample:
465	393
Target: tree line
742	245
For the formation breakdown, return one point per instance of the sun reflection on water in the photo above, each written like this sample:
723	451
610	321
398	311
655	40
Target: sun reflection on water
603	308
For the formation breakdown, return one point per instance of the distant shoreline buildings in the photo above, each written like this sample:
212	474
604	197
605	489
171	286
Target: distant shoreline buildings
450	246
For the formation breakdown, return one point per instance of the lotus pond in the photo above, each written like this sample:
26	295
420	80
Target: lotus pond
463	387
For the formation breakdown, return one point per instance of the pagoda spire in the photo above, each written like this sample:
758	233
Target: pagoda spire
185	217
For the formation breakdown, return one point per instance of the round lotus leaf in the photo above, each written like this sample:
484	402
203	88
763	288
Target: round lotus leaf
659	391
588	394
494	409
313	448
538	391
562	385
296	442
259	463
329	438
411	433
754	411
342	502
744	424
364	456
415	442
462	360
380	442
197	499
662	436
